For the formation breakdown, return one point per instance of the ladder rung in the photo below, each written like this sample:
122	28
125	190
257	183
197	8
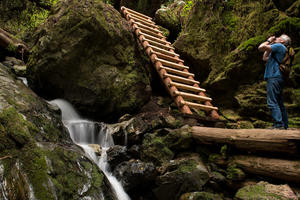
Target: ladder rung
187	87
151	33
170	58
162	50
142	21
171	64
141	18
181	79
192	96
159	44
134	12
178	72
153	38
140	25
197	105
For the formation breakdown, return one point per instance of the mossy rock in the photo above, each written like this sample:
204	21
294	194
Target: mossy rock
234	173
184	174
200	196
265	191
87	55
20	18
160	147
39	159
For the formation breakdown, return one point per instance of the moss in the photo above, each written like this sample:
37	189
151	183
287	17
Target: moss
35	165
16	126
252	43
234	173
187	167
154	149
256	192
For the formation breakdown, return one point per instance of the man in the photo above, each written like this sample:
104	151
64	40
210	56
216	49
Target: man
275	47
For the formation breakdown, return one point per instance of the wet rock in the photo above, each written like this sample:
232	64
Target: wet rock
264	190
38	158
135	175
86	53
184	174
116	155
200	196
96	148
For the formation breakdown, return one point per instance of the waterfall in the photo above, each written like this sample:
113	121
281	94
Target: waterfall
84	132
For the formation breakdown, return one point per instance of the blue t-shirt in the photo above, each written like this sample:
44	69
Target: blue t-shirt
272	67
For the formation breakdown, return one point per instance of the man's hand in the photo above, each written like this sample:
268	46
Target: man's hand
271	39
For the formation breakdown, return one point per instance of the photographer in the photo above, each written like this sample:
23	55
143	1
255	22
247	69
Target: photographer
275	48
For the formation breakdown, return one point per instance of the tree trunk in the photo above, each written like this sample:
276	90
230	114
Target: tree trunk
10	43
253	140
275	168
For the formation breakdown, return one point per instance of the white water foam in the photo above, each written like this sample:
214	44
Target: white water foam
84	132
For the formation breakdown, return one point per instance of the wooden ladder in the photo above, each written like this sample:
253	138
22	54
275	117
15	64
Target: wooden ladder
178	81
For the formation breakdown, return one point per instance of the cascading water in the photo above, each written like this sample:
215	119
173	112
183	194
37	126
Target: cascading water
83	133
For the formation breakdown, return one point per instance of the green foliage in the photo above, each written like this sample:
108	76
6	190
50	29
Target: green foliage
187	8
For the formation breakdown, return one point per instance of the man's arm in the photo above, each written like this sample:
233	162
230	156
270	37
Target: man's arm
266	55
266	47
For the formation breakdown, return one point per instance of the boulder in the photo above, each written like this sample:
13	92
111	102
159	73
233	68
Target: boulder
200	196
266	191
179	176
85	53
37	157
135	175
161	146
116	155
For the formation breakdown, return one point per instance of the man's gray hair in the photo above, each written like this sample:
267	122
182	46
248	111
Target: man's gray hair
287	39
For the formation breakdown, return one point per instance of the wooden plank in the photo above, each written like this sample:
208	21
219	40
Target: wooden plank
140	25
187	87
181	79
159	44
145	31
134	12
178	72
287	170
141	18
142	21
197	105
252	140
152	38
192	96
166	57
171	64
162	50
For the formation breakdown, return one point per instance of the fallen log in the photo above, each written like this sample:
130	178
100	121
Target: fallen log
253	140
10	43
286	170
